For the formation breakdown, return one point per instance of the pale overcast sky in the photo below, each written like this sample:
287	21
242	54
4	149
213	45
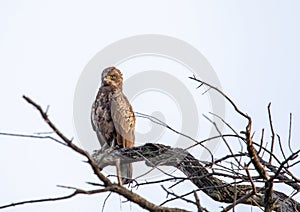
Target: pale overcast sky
253	48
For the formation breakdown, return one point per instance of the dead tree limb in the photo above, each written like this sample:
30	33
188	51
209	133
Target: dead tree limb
108	185
161	155
203	176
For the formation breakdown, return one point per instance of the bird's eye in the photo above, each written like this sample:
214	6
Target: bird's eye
112	77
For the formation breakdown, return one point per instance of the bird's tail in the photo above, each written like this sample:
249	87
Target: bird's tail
126	173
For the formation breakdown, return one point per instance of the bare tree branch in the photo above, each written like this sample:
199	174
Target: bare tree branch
133	197
217	189
239	187
272	131
76	192
200	209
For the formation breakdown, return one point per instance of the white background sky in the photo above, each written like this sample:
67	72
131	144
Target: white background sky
44	46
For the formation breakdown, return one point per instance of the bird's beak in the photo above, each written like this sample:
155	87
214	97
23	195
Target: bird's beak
106	80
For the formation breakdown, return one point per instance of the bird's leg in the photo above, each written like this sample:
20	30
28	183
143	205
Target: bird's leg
104	151
113	143
119	172
104	148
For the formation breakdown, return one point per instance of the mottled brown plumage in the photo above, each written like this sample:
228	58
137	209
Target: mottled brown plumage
112	116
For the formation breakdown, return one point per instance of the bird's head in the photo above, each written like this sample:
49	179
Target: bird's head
112	77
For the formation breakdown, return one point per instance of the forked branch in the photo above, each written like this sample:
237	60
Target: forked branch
160	155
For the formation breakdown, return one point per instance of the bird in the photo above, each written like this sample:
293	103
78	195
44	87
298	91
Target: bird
113	118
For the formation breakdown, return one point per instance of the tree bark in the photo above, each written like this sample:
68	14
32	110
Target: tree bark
161	155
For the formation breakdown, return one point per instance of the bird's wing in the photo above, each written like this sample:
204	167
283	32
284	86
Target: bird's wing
93	117
96	122
123	119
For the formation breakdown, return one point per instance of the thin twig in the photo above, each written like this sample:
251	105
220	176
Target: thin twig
261	140
272	131
104	202
224	95
76	192
290	133
280	146
32	136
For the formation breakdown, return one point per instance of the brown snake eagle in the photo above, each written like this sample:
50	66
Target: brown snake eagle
113	118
